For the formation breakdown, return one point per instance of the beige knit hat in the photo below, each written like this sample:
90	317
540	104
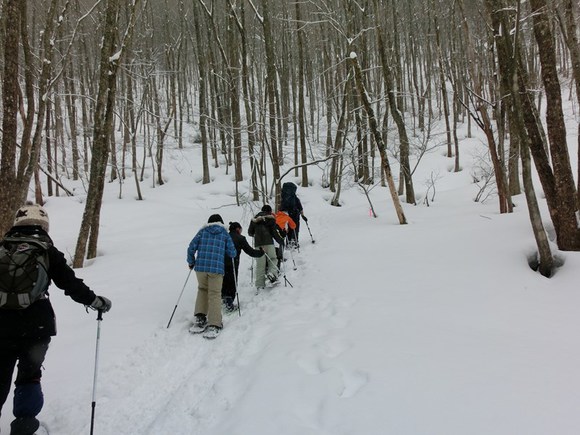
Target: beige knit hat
32	214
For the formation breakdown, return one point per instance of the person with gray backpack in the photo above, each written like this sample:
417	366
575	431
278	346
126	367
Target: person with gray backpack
29	262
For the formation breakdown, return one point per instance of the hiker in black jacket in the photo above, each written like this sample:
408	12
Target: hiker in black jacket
264	230
291	204
25	333
232	265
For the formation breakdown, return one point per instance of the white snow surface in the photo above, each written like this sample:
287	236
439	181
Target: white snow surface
438	327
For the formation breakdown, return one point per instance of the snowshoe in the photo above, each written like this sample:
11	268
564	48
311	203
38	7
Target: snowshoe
228	304
272	278
211	332
199	325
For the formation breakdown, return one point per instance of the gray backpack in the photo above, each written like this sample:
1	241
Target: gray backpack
23	271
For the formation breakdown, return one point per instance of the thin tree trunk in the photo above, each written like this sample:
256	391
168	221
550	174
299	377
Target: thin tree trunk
203	113
301	108
271	92
378	139
396	114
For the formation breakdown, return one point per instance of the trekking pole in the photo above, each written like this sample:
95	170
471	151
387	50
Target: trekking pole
252	265
292	257
94	402
236	286
279	271
284	267
308	226
179	298
283	264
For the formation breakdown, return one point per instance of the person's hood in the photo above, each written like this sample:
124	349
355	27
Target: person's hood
263	217
214	228
289	187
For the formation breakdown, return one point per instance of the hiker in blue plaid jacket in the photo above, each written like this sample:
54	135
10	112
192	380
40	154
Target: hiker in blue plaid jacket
211	244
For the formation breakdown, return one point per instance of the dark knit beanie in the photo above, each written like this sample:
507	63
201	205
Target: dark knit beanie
215	218
267	208
234	226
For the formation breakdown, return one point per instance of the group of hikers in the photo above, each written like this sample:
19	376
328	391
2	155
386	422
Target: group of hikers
214	254
29	262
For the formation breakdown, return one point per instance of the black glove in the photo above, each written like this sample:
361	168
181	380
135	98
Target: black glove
191	266
304	218
101	303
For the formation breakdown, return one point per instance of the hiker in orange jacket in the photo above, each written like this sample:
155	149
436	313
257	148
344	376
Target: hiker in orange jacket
285	225
284	222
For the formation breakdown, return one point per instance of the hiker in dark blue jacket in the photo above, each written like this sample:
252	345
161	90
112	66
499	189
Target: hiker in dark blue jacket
211	244
290	203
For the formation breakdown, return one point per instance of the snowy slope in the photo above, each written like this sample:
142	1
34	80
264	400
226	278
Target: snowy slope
435	327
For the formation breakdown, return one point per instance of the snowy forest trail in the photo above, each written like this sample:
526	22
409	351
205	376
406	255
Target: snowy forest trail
427	329
435	327
176	382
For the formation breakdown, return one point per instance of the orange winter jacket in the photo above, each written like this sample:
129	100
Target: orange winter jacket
284	221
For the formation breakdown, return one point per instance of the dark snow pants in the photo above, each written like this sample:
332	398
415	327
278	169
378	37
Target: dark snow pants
293	234
229	283
29	353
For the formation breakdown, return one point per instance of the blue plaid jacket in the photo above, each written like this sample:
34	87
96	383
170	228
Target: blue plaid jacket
212	243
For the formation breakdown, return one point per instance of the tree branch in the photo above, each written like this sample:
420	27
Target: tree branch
314	162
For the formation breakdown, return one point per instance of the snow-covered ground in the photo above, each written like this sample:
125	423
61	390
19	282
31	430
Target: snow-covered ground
435	327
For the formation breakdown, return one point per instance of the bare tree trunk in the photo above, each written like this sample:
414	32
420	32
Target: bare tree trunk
443	85
514	157
8	197
301	108
132	132
574	47
203	109
339	139
49	159
71	102
484	121
395	113
236	117
248	104
271	92
378	139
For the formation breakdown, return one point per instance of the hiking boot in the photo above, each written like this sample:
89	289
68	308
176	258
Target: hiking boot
24	426
199	324
229	305
211	332
272	278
